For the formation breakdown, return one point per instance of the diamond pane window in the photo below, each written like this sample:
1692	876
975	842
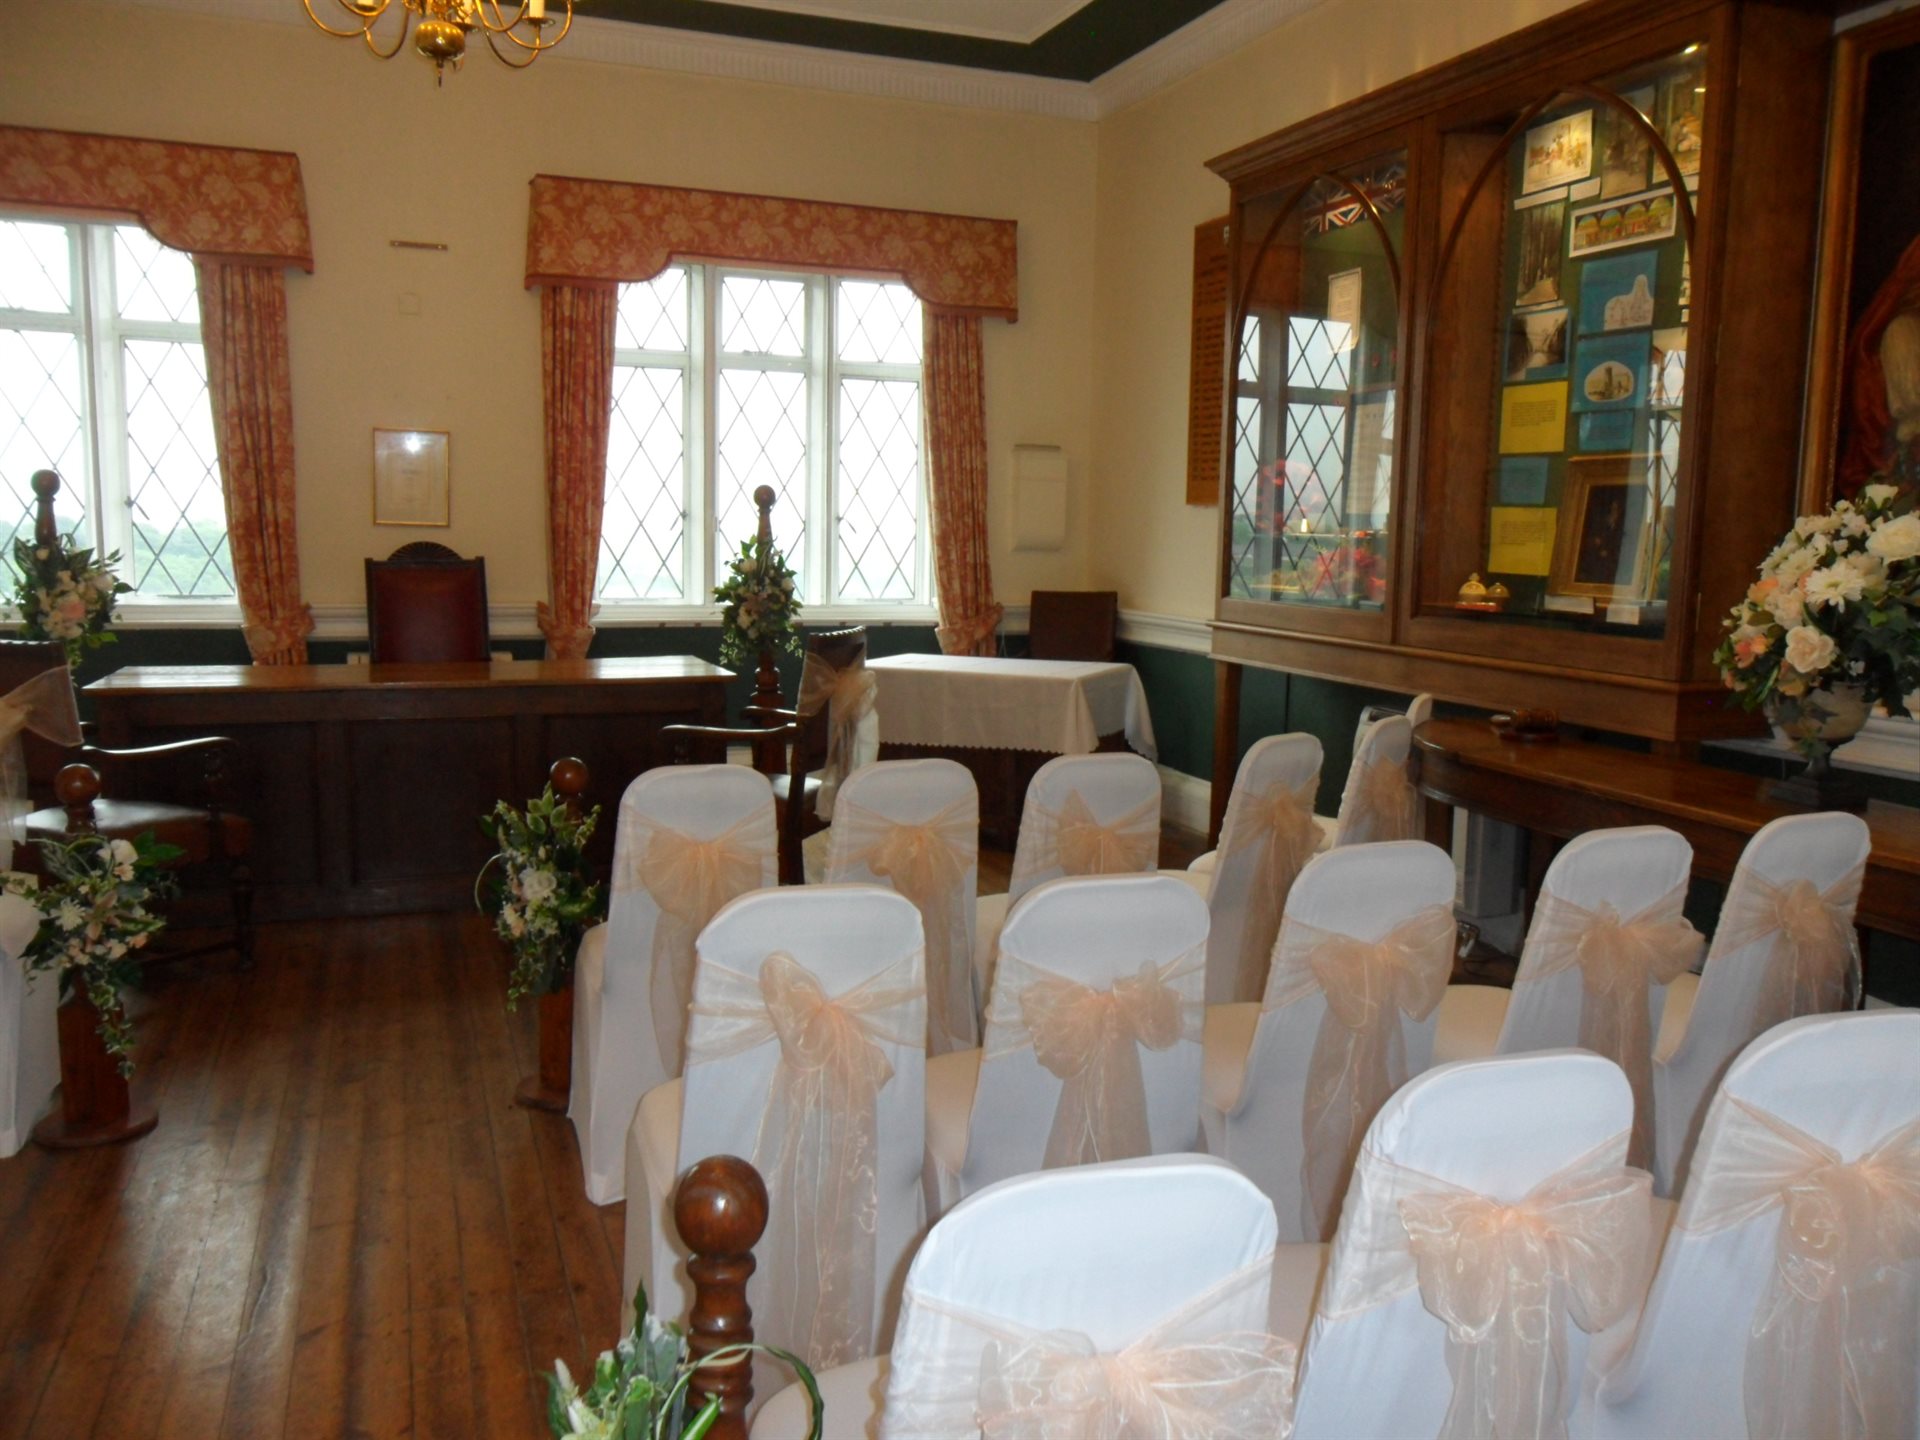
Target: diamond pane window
653	314
642	533
150	281
879	486
760	429
42	427
877	323
762	316
36	267
173	493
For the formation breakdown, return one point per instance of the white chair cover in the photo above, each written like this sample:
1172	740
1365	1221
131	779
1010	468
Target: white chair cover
1267	836
806	1054
1380	802
850	697
1490	1228
1093	1032
1607	938
1785	946
45	706
914	826
1369	928
29	1031
1123	1301
1084	815
689	839
1787	1302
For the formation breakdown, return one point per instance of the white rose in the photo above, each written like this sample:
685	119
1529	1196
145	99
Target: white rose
1896	539
123	852
537	885
1809	651
1879	494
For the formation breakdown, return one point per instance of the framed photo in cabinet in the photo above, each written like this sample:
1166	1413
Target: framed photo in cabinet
1601	549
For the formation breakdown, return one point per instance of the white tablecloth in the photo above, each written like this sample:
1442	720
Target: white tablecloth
1059	707
29	1035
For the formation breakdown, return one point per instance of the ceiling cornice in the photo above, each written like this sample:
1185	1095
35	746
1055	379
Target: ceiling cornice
1213	36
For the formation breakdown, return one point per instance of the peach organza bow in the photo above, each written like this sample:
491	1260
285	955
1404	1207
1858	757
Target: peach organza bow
1620	960
1359	1054
819	1134
1830	1352
1815	965
927	862
1085	846
689	879
848	696
45	706
1383	803
1092	1040
1278	824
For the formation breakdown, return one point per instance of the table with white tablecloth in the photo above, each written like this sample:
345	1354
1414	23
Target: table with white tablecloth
1004	718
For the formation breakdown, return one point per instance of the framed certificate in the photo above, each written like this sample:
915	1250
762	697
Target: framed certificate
410	478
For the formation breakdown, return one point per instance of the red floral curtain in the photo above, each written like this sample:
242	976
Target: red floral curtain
576	350
956	405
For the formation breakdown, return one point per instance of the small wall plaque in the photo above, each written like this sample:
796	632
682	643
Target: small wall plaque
410	478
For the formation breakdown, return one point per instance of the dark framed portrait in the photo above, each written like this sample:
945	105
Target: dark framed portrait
1601	543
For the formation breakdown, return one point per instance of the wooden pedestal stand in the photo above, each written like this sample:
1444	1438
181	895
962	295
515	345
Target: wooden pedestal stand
720	1210
549	1087
770	758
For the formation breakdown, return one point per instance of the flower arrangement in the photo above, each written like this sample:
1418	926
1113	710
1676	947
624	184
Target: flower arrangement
1833	623
65	593
94	921
762	610
639	1388
540	895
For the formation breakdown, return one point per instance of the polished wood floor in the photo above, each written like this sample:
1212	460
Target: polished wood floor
343	1227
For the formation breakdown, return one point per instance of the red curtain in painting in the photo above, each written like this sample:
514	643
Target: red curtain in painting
956	405
576	349
243	326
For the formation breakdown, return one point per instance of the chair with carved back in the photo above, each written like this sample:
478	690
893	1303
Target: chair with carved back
426	603
809	749
177	791
1073	624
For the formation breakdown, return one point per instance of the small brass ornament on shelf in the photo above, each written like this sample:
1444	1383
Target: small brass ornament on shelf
1474	596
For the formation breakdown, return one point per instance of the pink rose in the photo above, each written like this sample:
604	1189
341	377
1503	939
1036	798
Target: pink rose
71	607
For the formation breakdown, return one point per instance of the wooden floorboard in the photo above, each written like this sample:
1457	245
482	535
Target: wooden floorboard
343	1226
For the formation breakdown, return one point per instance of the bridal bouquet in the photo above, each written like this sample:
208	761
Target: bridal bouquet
1832	626
762	610
538	889
65	593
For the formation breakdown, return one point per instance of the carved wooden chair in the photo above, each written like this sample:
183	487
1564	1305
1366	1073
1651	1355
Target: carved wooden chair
1073	624
176	791
427	603
791	747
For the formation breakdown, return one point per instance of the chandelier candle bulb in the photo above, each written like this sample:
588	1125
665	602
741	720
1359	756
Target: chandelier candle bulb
537	11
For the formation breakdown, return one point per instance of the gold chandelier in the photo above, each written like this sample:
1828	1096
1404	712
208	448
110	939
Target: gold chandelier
440	28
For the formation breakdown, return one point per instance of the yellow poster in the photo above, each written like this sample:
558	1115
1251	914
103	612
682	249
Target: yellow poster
1533	419
1520	540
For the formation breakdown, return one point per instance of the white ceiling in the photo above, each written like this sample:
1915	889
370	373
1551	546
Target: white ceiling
1019	21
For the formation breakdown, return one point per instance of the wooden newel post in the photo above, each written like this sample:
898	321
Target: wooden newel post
769	758
550	1086
96	1105
720	1210
46	485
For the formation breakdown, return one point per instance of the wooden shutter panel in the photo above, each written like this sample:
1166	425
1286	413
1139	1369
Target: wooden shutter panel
1207	373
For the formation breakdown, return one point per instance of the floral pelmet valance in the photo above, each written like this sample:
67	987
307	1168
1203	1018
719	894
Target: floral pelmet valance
588	231
211	200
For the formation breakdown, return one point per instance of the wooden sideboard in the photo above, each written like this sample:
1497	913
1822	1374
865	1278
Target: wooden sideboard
365	783
1566	787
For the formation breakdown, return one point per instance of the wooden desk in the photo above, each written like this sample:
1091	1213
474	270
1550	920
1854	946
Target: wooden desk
366	783
1567	787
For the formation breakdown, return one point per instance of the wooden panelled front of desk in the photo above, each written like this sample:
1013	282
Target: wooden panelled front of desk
365	783
1567	787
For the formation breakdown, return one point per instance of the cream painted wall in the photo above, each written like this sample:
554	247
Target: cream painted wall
386	156
1154	187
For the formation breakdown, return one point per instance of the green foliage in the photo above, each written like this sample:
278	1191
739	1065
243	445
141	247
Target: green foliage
65	594
538	890
94	921
762	605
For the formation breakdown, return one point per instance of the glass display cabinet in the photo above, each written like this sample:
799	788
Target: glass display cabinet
1515	389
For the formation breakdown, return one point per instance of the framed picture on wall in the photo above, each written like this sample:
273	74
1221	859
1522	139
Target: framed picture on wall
1601	546
1866	329
410	478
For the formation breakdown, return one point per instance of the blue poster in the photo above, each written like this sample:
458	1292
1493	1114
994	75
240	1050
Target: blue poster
1610	372
1616	292
1523	480
1607	430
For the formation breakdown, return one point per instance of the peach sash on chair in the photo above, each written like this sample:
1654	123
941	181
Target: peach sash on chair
45	706
1506	1278
1831	1348
1080	844
1815	966
689	880
849	696
927	862
1091	1039
1279	821
1386	804
818	1143
1227	1382
1619	959
1359	1055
